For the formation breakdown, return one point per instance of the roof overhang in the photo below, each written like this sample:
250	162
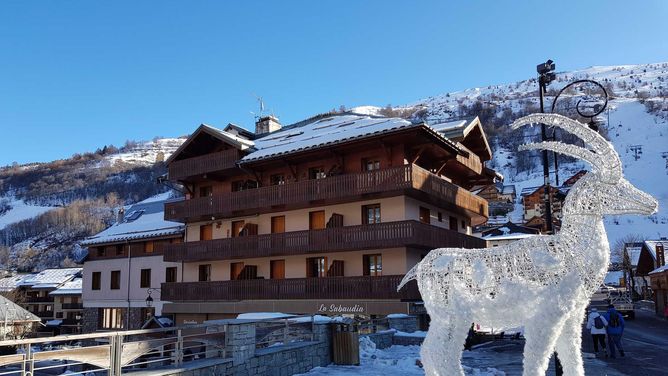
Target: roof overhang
221	135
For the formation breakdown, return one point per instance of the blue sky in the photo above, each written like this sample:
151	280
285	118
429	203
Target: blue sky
75	75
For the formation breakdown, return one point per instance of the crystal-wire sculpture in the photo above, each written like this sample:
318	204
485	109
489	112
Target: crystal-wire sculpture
543	283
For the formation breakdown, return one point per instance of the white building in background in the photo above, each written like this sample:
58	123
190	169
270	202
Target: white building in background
125	265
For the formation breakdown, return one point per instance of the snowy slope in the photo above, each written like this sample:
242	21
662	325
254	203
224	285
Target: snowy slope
630	85
19	211
147	152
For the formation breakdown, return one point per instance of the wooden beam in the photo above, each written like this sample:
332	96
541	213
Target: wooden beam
438	171
418	155
293	171
387	149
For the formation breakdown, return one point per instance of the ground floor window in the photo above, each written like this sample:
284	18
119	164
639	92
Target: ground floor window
373	265
110	318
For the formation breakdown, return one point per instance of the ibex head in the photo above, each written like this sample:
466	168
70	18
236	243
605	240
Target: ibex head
604	190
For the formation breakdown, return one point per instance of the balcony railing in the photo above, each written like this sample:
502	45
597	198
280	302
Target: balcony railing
39	299
384	287
204	164
72	305
336	239
334	189
43	314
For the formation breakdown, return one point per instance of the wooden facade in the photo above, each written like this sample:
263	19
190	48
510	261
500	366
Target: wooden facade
323	211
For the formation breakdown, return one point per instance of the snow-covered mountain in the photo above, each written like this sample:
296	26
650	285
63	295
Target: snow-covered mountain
637	115
47	208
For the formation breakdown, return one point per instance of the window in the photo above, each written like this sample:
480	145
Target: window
373	265
317	173
205	272
235	270
110	318
120	250
453	223
170	274
463	224
316	220
440	217
278	179
316	267
371	214
278	224
238	186
277	269
237	226
206	232
145	278
370	165
148	247
59	315
206	191
115	280
96	280
425	215
101	252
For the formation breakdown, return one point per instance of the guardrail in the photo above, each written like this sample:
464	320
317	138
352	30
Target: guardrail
122	352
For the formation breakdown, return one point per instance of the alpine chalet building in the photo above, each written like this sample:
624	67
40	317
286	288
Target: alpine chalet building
322	216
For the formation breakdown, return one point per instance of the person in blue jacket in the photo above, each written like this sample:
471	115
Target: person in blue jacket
615	330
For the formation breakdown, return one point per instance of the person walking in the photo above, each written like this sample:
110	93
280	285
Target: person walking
615	330
596	324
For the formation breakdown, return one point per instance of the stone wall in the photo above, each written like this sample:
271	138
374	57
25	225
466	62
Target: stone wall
283	360
382	339
89	320
404	323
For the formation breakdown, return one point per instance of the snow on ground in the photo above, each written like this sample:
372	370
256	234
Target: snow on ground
20	210
395	360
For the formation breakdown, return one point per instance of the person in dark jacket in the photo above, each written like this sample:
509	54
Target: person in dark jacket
615	330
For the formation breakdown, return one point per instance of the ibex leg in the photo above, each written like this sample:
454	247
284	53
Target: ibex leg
541	337
569	344
442	349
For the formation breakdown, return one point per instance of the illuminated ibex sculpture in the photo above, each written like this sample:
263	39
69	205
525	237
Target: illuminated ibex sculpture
543	283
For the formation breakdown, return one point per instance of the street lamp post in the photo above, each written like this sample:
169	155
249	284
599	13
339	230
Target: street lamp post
545	76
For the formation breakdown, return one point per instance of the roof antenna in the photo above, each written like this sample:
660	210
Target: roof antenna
260	114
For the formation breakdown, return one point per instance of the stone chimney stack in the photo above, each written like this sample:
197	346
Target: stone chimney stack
120	215
267	124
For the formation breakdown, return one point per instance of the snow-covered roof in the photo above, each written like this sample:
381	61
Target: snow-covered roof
634	254
651	246
659	269
230	138
507	237
508	190
11	312
613	277
72	287
330	130
50	278
143	220
12	282
530	190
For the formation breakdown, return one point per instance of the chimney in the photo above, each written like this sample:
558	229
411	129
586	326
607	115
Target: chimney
267	124
120	215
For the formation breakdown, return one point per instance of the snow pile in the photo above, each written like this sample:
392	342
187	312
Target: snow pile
395	360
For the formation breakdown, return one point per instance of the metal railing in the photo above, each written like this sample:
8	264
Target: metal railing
121	352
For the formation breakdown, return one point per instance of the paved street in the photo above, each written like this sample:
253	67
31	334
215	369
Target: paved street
645	342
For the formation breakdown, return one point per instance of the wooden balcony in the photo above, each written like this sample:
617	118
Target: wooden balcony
204	164
407	179
366	287
39	299
336	239
72	306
